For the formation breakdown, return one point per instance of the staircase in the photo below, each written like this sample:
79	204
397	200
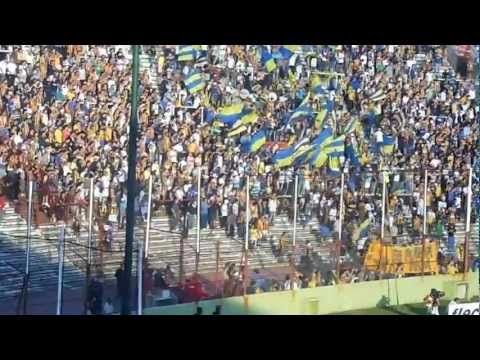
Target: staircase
166	247
43	259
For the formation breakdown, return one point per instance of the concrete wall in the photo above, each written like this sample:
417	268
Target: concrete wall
332	299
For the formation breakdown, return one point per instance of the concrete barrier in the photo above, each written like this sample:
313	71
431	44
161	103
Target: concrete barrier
331	299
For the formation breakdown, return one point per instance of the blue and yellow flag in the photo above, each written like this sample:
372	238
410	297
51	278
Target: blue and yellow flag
388	144
317	158
353	125
249	116
323	137
304	109
237	130
320	118
333	165
284	157
230	114
188	52
194	82
318	86
336	147
287	51
361	231
256	142
268	61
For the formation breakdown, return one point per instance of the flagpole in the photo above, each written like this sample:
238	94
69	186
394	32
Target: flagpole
295	204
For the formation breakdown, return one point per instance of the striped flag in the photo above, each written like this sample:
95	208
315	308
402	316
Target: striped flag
268	61
194	82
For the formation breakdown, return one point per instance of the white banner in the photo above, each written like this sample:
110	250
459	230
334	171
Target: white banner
464	309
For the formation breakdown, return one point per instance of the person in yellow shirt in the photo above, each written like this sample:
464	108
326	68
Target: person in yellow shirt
451	268
58	135
108	134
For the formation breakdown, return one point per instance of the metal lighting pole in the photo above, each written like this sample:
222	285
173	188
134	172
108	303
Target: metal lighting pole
131	182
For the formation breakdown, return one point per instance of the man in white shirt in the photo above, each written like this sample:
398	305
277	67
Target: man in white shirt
378	139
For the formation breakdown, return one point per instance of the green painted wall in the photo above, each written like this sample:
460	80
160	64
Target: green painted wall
331	299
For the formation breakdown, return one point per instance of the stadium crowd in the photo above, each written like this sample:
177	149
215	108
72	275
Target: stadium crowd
64	113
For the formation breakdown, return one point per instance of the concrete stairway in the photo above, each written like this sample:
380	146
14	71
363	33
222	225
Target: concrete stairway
43	258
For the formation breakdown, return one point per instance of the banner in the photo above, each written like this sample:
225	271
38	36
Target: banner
464	309
388	258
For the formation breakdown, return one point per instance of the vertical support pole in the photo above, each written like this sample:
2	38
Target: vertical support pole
201	115
90	240
295	204
131	181
29	241
467	225
149	215
247	214
424	239
29	227
199	186
61	254
340	218
382	230
90	224
140	279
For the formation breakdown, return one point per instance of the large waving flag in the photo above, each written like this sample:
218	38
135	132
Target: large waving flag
284	157
268	61
188	52
256	142
317	85
316	156
320	118
287	51
194	82
323	137
304	109
237	130
388	144
333	165
353	125
230	114
336	147
361	231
